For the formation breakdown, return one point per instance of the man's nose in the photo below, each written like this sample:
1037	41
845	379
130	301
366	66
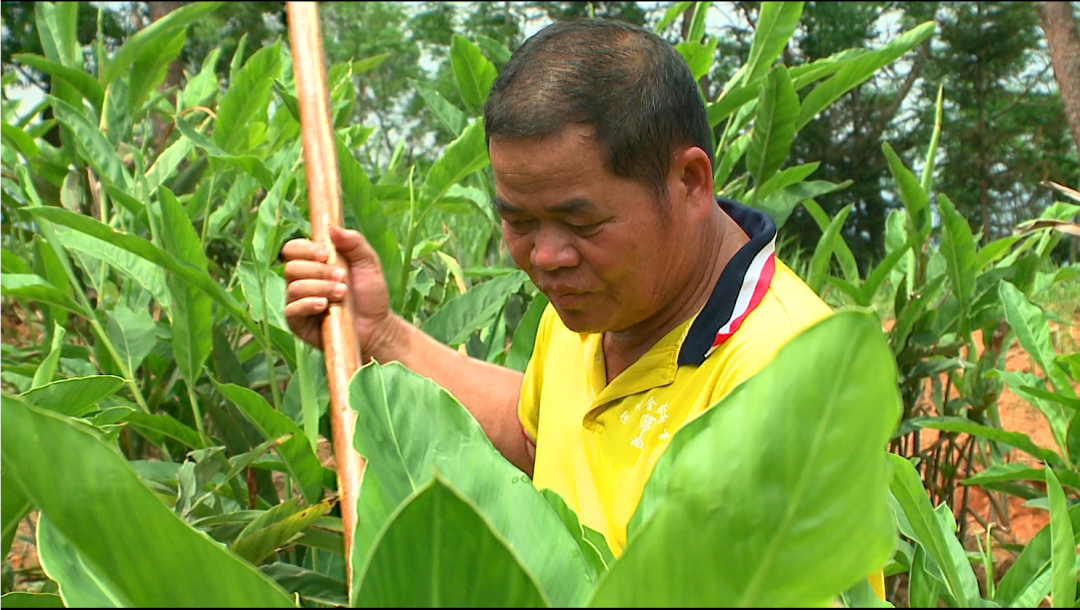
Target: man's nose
553	249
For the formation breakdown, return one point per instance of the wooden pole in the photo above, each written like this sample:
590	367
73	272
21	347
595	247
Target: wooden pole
324	200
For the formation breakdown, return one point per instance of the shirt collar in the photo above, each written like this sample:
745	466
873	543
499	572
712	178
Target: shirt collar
741	285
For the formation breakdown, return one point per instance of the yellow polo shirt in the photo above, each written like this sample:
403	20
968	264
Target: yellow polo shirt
595	443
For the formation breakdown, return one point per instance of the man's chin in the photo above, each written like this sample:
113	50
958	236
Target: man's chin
580	321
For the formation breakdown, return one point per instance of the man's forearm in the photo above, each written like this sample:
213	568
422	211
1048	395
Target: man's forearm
489	391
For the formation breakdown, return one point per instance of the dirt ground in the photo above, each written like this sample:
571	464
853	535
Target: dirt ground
1016	415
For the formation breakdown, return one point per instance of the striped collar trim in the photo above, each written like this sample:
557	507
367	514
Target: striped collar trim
742	284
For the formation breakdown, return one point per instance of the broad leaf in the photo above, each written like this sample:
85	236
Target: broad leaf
118	527
473	71
958	248
132	48
774	125
438	551
247	98
469	312
1062	545
75	396
790	463
1029	322
404	447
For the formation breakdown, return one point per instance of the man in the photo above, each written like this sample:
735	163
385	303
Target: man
662	298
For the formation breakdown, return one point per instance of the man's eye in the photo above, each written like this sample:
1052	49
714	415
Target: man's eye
519	226
586	230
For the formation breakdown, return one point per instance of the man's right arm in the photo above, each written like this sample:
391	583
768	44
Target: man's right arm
490	392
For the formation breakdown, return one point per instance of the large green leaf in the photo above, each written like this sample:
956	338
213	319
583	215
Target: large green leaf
774	125
92	145
461	316
247	97
130	51
1028	580
740	508
438	551
79	79
75	396
133	334
151	65
916	200
465	155
1028	321
858	70
35	288
826	246
433	432
145	249
14	505
141	552
473	71
939	542
1018	440
1062	545
260	539
447	113
142	271
192	310
775	24
958	248
297	453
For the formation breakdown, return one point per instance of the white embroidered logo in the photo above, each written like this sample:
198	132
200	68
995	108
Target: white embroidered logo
652	416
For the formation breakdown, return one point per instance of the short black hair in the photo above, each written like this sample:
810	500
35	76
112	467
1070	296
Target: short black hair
630	85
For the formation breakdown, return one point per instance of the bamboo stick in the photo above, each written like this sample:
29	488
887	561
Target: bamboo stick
324	200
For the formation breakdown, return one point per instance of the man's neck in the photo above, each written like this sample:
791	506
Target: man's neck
719	245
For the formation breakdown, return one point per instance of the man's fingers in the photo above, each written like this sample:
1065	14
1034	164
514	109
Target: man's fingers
305	308
352	245
310	270
323	289
304	249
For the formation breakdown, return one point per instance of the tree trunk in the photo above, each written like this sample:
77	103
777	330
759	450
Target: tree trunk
1063	40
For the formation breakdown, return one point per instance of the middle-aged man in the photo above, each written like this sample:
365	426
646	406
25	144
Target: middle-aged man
662	297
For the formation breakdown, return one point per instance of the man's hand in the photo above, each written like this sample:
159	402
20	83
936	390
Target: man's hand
313	285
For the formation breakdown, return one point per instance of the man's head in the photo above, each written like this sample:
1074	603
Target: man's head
600	150
628	84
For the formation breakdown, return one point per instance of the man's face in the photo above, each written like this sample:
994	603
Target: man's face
595	244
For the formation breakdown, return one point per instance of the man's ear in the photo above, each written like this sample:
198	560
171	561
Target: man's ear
694	173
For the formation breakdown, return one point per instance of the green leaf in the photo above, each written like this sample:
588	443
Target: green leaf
775	25
774	126
780	204
297	453
368	64
92	145
142	272
699	56
132	49
152	64
916	201
465	155
1028	581
143	248
789	463
141	552
163	423
75	396
192	313
21	599
958	248
79	79
473	71
132	333
671	14
595	550
167	162
823	252
1062	545
79	584
310	585
438	551
404	447
14	505
248	163
358	199
1029	322
35	288
1014	439
496	51
858	70
258	543
247	97
201	88
448	114
521	345
786	178
47	369
907	487
469	312
924	588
